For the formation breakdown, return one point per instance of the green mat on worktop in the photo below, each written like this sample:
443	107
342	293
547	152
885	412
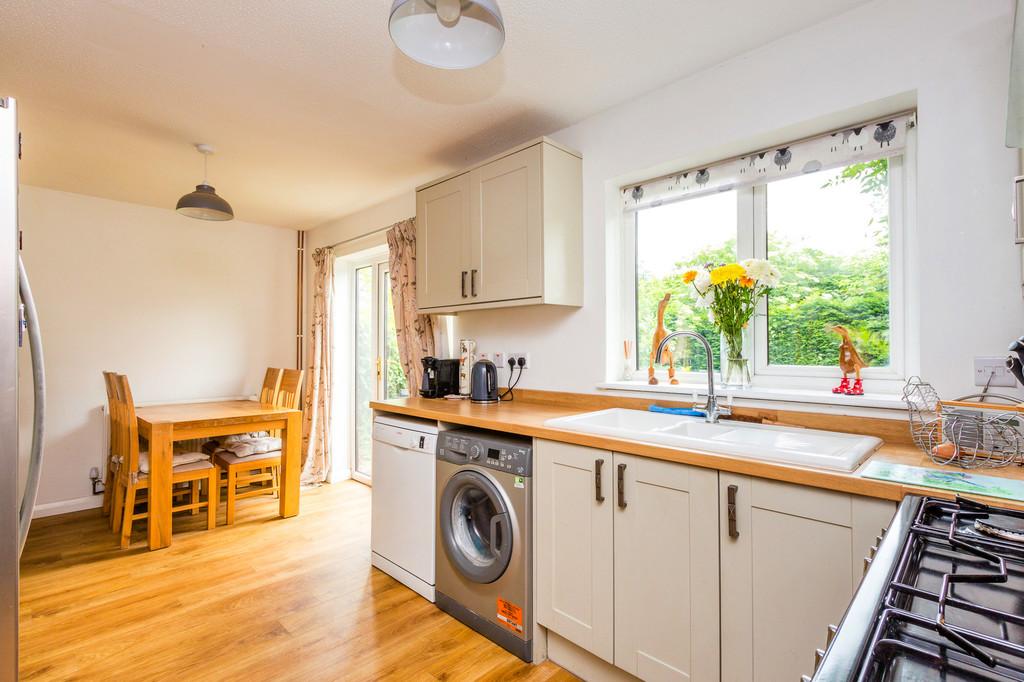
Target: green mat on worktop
946	479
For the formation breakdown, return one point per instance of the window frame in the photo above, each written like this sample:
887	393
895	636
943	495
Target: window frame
751	242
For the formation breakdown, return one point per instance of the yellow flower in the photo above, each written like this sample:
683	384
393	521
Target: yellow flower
727	273
689	276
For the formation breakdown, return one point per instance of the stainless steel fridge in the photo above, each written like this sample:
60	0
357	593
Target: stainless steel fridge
20	326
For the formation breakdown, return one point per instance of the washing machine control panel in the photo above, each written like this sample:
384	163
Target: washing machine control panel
487	449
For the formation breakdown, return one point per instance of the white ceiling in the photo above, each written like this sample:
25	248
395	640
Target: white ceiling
313	111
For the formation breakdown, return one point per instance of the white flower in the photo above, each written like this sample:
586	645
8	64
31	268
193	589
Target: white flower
703	280
762	272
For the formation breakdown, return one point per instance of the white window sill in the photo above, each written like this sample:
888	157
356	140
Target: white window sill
886	401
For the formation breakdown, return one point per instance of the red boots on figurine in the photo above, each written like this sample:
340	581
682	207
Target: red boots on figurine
845	388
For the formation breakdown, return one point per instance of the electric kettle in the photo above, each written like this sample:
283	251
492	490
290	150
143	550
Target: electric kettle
484	383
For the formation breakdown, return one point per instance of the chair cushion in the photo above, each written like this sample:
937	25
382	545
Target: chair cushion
180	459
252	446
227	458
185	468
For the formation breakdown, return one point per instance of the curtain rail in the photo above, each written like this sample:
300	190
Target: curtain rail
789	143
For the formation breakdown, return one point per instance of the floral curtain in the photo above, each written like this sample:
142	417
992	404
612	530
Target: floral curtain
862	142
316	461
415	332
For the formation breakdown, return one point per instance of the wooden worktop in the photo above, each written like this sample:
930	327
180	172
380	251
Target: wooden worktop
527	417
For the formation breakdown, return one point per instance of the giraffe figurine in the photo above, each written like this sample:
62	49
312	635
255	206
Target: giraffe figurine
659	335
849	361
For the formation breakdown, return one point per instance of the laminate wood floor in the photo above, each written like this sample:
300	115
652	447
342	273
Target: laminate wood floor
265	599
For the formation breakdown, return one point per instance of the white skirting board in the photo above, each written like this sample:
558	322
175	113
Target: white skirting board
67	506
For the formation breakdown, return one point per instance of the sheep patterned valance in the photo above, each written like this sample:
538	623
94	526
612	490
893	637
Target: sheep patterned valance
865	142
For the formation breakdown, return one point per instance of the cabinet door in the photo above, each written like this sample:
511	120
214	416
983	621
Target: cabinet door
573	540
789	569
442	239
507	228
666	570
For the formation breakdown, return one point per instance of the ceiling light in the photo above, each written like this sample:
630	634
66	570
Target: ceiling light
204	203
447	34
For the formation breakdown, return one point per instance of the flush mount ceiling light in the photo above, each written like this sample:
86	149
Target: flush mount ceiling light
447	34
204	204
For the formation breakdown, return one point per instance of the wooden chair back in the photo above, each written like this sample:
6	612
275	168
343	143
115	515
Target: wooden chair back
129	426
271	384
289	394
113	412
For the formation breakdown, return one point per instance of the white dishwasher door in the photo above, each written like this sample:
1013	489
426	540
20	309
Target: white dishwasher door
404	511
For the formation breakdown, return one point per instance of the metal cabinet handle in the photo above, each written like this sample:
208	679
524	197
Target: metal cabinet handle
622	486
464	284
472	282
733	530
598	495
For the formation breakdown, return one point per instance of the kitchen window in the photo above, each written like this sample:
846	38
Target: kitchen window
833	223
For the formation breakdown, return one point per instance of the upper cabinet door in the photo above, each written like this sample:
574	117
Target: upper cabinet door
666	570
790	565
507	228
573	541
442	238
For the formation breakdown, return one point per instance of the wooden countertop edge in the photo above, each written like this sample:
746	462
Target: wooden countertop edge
851	483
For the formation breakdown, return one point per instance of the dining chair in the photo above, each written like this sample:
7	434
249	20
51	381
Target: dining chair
244	470
114	449
271	384
133	478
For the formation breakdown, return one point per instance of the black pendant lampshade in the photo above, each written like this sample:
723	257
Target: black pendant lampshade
203	203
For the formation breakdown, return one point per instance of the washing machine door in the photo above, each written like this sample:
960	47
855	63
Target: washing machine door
476	526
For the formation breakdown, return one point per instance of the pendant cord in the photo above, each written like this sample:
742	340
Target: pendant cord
206	158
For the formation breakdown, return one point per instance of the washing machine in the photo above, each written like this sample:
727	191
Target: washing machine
484	535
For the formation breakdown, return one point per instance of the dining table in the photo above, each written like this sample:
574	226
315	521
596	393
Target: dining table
163	425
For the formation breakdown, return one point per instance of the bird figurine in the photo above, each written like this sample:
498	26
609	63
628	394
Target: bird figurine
659	335
850	362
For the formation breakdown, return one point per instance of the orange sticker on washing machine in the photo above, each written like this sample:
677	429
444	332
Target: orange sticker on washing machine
510	615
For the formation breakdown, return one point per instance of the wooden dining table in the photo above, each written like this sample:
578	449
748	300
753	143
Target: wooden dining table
162	425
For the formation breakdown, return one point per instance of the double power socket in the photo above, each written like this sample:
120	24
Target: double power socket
500	359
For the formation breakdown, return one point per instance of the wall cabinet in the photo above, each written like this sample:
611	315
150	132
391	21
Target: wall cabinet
507	232
628	559
650	575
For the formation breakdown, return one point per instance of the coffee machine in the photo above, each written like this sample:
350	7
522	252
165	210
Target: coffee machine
440	377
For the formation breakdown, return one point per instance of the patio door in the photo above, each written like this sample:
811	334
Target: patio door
376	367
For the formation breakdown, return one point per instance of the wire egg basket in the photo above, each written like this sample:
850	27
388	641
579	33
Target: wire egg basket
963	432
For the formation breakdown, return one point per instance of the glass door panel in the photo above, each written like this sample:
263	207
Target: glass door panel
365	367
393	381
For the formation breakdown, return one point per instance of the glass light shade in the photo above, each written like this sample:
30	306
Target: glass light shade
474	38
204	204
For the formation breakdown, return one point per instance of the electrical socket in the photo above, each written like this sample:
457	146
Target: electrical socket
526	356
499	360
994	367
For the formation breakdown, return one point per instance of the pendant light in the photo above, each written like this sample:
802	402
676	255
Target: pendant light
447	34
204	204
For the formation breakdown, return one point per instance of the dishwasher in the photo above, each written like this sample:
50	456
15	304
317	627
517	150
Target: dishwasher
403	508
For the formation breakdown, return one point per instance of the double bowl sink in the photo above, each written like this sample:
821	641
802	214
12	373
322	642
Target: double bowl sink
785	445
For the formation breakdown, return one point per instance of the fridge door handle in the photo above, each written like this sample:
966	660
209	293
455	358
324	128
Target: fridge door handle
35	462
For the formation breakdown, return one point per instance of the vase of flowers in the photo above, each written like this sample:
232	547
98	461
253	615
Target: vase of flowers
730	292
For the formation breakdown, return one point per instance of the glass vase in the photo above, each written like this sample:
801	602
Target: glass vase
736	369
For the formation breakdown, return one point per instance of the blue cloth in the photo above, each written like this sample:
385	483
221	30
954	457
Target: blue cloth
681	411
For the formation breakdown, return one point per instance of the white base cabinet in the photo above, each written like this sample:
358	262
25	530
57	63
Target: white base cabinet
627	556
639	564
790	565
666	570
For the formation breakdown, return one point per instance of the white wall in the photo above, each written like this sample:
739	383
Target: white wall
951	55
186	308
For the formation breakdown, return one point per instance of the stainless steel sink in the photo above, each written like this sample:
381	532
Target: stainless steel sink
787	445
